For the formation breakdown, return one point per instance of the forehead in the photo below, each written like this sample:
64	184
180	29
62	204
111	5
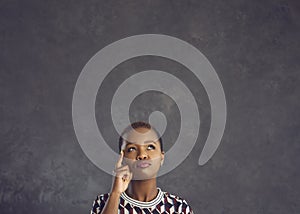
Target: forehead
141	135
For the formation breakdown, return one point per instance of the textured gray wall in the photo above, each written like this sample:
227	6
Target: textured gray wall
254	47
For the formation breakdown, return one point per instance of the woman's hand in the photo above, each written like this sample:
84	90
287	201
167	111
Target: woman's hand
122	176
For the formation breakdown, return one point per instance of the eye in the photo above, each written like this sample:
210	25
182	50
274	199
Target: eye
151	147
130	149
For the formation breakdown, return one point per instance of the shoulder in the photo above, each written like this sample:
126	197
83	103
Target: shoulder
99	203
179	203
102	197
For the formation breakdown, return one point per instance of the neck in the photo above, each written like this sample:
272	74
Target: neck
142	190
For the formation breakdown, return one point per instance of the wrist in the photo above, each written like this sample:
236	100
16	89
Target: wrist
115	193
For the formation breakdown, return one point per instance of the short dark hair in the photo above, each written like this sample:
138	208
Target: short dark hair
136	125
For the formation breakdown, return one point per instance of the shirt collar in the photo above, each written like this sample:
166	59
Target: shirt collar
143	204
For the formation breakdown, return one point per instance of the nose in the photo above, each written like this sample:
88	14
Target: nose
142	155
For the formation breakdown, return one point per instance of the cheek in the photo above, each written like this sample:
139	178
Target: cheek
156	162
129	162
130	155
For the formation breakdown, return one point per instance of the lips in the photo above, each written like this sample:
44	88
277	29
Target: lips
143	164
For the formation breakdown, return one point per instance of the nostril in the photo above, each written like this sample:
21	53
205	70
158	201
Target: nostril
142	157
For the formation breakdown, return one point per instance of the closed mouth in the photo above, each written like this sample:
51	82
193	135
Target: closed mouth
143	164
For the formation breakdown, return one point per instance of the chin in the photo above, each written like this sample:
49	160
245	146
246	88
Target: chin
143	176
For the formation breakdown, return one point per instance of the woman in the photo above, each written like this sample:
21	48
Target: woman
134	187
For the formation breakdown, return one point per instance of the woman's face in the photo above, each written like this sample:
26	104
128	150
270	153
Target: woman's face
142	153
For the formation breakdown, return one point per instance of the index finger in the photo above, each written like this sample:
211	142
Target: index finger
119	163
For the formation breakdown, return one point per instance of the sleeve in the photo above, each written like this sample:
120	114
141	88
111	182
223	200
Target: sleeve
98	204
185	208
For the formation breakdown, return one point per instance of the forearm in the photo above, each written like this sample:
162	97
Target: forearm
112	204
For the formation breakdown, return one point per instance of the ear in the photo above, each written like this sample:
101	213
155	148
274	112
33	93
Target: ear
162	158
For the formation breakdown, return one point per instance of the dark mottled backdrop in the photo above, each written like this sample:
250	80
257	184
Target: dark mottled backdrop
254	47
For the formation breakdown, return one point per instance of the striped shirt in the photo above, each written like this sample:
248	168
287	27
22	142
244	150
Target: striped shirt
164	203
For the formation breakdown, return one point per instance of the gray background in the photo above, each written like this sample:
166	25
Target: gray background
253	46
